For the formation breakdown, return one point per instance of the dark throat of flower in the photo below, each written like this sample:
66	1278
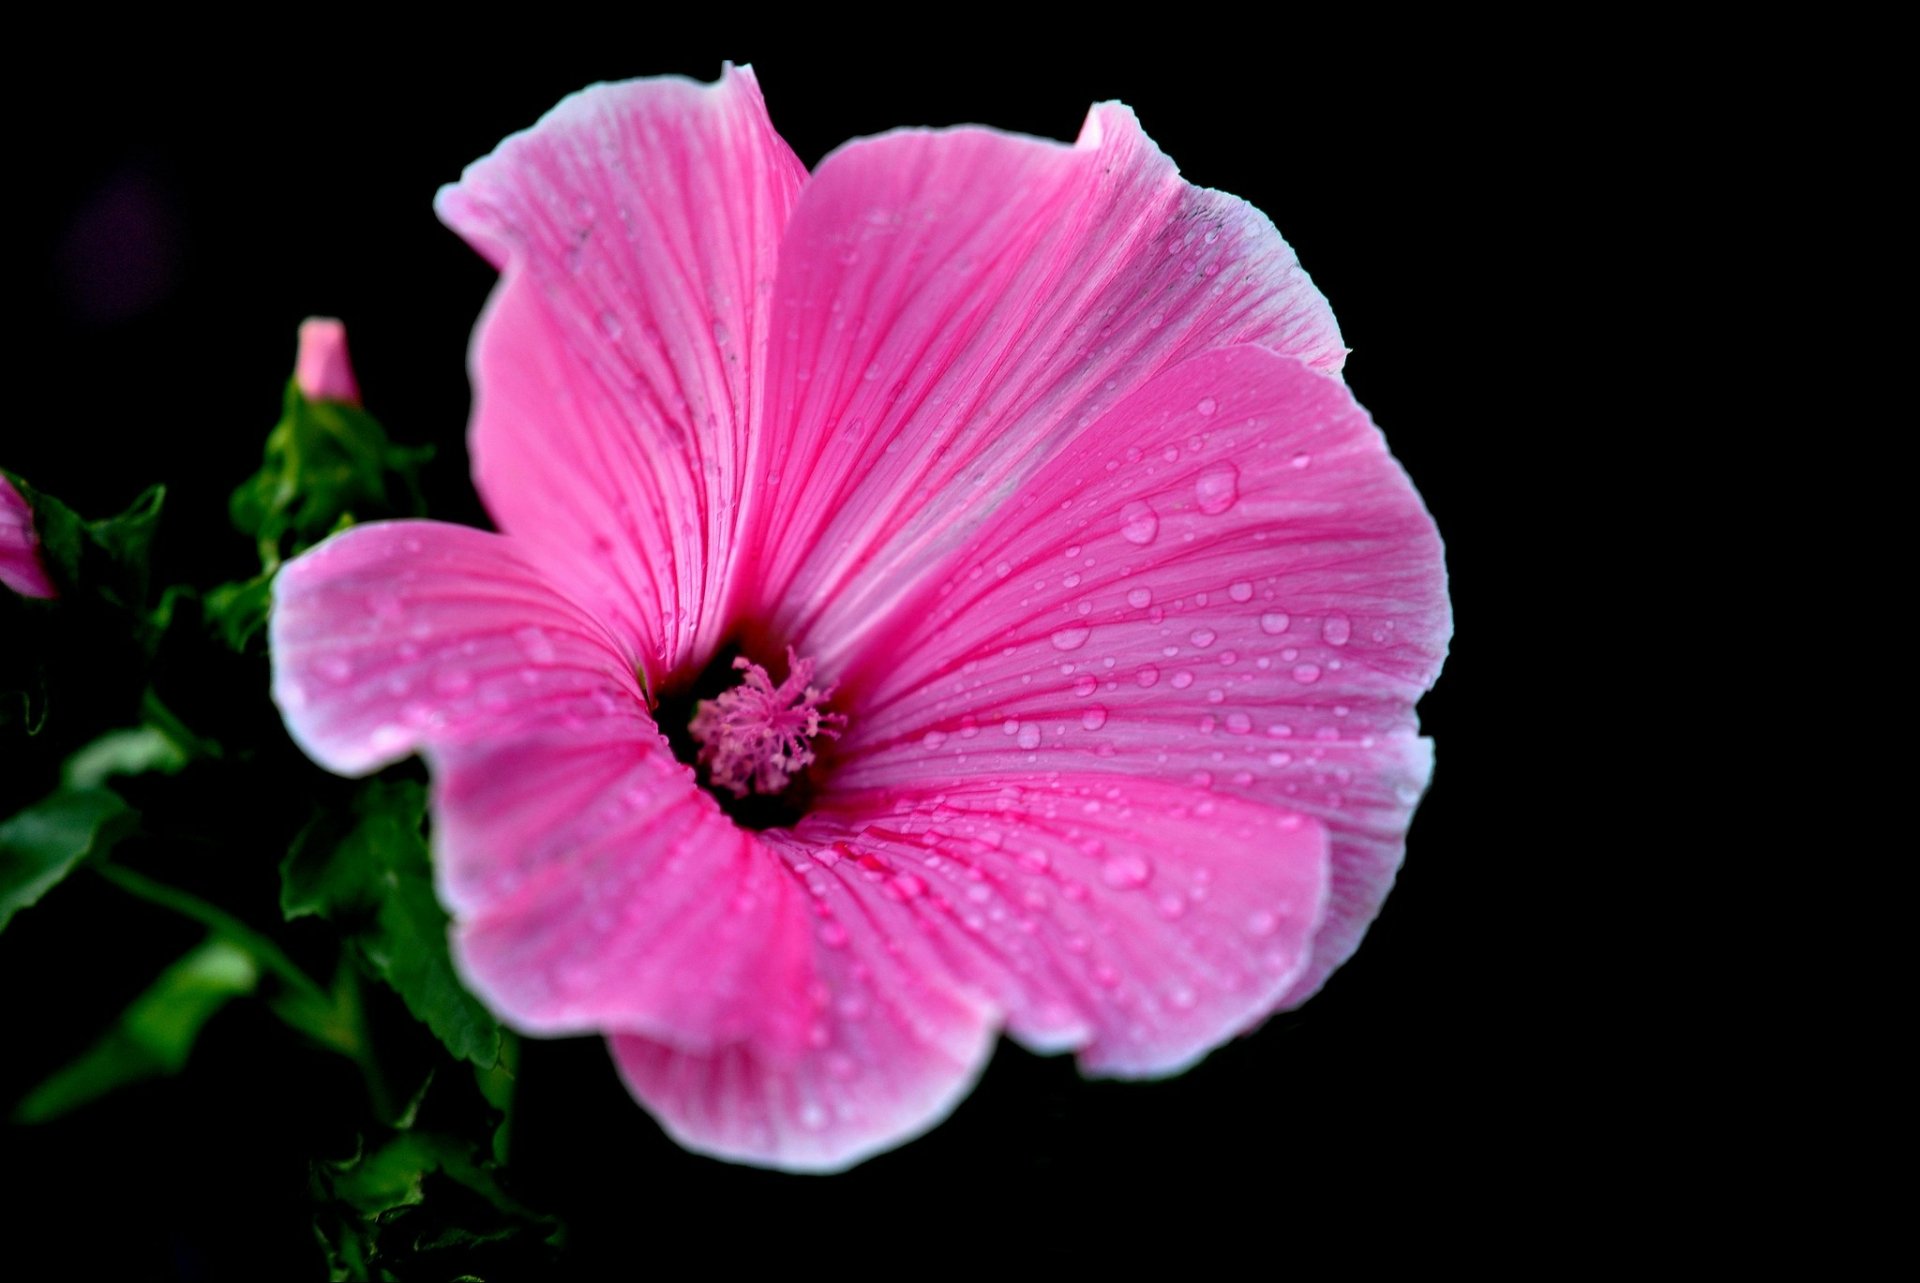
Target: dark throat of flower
753	733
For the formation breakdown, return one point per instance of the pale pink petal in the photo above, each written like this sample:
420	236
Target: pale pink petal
1228	582
1141	926
322	370
20	565
950	307
616	371
394	636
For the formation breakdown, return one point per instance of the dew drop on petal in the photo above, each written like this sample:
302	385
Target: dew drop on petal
1126	872
1217	489
1336	629
1139	523
1201	638
1306	674
1182	680
1240	590
1139	598
1147	675
1274	622
1207	406
1094	718
1029	736
1071	638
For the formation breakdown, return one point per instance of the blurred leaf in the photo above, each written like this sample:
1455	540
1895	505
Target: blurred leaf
154	1036
130	752
237	611
373	877
105	558
424	1205
326	465
42	844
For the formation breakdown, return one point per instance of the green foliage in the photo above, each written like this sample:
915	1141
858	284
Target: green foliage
107	558
408	1209
154	1035
370	874
327	465
201	788
44	843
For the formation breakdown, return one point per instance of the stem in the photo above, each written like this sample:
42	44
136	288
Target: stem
264	950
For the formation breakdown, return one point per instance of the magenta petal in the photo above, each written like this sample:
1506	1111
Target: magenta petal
20	565
952	305
1227	582
1142	926
400	635
616	370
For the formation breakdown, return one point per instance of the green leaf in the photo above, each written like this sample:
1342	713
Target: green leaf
326	465
130	752
153	1036
373	876
42	844
238	611
424	1204
105	558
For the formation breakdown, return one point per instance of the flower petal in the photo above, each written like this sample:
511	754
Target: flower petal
951	306
20	565
592	883
616	369
1142	927
1227	582
399	635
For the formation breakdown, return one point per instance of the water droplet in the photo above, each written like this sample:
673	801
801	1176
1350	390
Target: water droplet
1240	590
1029	736
1139	598
1182	680
1094	718
1201	637
1126	872
1207	405
1239	723
1071	638
1301	459
1279	758
536	645
833	935
934	739
1275	622
1336	629
1139	523
1306	674
1147	675
1217	489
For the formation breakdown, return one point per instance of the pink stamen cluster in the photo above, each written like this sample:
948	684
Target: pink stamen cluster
757	736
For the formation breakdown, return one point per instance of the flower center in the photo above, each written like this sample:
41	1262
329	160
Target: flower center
754	739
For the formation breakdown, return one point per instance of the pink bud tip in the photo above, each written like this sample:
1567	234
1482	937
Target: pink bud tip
323	370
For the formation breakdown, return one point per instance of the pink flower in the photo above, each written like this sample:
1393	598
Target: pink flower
1079	616
20	566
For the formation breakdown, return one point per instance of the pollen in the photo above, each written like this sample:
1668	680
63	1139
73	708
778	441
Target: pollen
756	737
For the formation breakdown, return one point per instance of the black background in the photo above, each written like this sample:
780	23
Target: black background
183	216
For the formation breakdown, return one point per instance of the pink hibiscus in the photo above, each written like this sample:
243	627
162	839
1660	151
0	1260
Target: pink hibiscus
20	566
983	520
